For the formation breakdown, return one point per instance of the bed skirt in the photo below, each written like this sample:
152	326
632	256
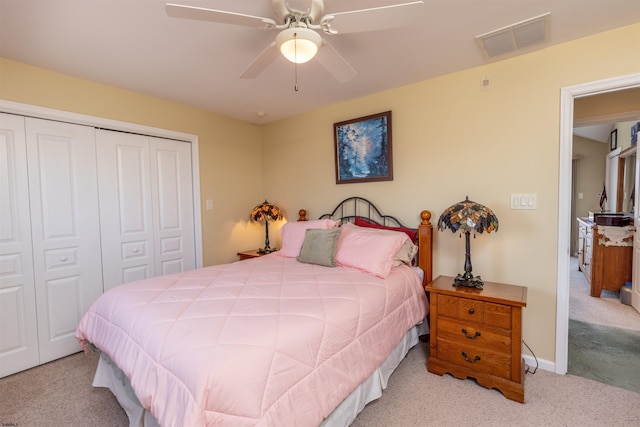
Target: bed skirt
110	376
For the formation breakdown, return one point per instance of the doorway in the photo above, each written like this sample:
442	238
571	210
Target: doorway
564	203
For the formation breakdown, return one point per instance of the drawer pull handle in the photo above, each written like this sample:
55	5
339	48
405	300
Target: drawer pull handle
471	311
63	259
474	360
471	337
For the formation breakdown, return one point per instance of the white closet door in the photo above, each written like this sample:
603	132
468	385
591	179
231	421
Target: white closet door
125	207
172	193
146	206
18	324
66	234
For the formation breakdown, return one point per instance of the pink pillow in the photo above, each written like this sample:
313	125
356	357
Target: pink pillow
293	235
368	249
363	222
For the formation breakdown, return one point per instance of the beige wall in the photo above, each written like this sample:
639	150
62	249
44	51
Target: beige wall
624	133
230	150
595	106
590	171
451	139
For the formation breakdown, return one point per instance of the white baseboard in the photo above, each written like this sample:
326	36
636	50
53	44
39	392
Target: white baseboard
546	365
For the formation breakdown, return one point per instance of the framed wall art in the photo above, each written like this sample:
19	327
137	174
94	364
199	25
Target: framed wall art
614	140
363	149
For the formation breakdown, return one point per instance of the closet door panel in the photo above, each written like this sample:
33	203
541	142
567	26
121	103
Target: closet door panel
125	207
172	192
66	249
18	324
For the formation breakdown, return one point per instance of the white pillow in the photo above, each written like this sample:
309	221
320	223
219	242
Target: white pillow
293	235
373	251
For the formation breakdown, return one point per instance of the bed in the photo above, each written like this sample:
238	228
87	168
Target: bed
304	336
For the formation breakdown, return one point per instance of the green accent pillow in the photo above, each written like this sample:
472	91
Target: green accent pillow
319	247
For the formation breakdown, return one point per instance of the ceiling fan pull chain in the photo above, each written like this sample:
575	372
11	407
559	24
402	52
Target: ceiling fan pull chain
295	63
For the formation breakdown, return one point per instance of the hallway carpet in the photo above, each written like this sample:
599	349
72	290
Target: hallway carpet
605	354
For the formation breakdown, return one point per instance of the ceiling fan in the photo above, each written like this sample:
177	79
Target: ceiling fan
298	39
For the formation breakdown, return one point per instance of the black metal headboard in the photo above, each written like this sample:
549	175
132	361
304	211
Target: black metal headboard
352	207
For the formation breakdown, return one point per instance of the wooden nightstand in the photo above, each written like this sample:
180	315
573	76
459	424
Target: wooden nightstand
249	254
478	333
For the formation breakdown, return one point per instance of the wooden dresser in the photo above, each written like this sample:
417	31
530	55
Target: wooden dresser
606	266
478	333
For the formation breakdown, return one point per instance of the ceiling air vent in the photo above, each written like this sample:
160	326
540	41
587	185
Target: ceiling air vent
516	36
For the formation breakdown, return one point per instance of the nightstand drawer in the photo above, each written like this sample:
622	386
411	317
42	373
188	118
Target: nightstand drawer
497	315
479	359
460	308
471	334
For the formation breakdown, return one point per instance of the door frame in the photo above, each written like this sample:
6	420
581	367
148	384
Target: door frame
567	96
93	121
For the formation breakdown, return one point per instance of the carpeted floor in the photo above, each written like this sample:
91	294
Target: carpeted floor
60	393
606	354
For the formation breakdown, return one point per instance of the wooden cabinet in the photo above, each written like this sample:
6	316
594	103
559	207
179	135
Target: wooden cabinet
585	245
606	264
478	333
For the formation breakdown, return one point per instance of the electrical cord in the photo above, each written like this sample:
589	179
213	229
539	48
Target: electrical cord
528	371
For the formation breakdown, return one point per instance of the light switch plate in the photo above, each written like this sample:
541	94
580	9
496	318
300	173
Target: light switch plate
524	201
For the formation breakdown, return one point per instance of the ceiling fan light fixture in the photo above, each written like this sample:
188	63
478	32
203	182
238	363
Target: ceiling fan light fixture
298	44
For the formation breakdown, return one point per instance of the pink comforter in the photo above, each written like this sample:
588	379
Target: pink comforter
267	341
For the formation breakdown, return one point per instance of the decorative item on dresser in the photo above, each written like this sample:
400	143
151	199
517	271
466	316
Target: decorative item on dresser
605	253
265	212
468	216
477	333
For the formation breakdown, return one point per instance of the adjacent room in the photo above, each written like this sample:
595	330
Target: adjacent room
601	314
319	212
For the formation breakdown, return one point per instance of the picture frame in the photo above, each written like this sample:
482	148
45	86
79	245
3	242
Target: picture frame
363	149
635	129
613	140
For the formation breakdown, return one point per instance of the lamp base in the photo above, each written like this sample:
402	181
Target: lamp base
468	281
266	250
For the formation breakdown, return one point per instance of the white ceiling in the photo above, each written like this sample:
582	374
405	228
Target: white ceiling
598	133
134	45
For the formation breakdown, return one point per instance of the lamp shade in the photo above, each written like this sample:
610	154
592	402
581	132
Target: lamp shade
298	44
266	212
468	216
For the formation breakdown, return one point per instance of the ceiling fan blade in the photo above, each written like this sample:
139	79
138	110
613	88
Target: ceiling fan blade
266	57
335	64
221	16
377	18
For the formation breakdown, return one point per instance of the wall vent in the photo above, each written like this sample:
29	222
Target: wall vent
516	36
